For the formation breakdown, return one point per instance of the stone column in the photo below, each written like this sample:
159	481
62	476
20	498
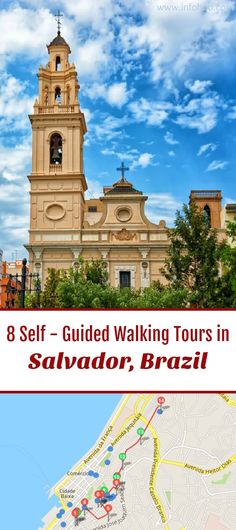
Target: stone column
105	257
76	254
144	268
38	263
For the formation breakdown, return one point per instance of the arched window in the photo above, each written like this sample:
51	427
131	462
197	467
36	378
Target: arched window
58	95
56	149
207	214
58	63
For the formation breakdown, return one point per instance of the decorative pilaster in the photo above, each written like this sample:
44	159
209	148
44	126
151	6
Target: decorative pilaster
144	268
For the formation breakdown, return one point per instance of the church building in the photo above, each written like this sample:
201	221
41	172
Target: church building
63	225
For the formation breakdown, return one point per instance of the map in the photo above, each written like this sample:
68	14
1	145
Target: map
161	462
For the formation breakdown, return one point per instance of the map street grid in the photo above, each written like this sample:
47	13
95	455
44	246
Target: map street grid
161	462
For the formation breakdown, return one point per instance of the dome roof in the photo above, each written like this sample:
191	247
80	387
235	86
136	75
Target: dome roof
59	41
123	186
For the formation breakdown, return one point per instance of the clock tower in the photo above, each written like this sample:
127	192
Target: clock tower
57	181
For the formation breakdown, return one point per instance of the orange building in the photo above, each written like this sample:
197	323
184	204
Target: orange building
209	201
10	288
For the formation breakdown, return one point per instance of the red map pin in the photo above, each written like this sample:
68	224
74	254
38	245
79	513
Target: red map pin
99	494
108	508
75	512
116	482
84	502
161	400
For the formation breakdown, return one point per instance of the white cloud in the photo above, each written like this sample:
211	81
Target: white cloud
166	199
133	156
20	34
198	87
94	189
14	233
116	94
206	149
15	103
153	113
108	151
217	164
169	138
171	153
200	113
14	195
14	216
202	124
87	114
111	127
16	221
206	33
15	160
94	57
162	206
92	14
10	193
144	160
232	113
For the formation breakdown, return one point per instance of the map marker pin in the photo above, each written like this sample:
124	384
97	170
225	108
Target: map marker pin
99	494
84	503
116	483
76	512
116	476
108	509
122	457
140	432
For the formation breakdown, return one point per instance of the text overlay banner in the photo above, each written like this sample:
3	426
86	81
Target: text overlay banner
89	350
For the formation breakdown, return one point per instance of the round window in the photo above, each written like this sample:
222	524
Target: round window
55	211
123	214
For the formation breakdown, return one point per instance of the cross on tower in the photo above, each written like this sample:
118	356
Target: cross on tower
122	169
58	16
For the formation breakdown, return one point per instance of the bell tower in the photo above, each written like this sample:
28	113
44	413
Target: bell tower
57	182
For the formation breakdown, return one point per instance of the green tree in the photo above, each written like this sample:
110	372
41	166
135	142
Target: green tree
85	286
229	266
95	271
162	297
49	297
33	298
193	258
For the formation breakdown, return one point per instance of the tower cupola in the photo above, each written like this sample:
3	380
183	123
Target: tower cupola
57	179
58	82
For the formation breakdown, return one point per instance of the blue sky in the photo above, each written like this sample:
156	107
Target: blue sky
29	425
157	84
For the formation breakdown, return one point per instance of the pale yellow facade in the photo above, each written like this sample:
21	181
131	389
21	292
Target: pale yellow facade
228	214
65	227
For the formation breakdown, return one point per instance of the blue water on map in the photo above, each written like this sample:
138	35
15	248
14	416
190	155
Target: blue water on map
42	437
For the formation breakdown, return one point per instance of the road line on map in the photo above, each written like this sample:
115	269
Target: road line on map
231	402
54	522
148	426
200	470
